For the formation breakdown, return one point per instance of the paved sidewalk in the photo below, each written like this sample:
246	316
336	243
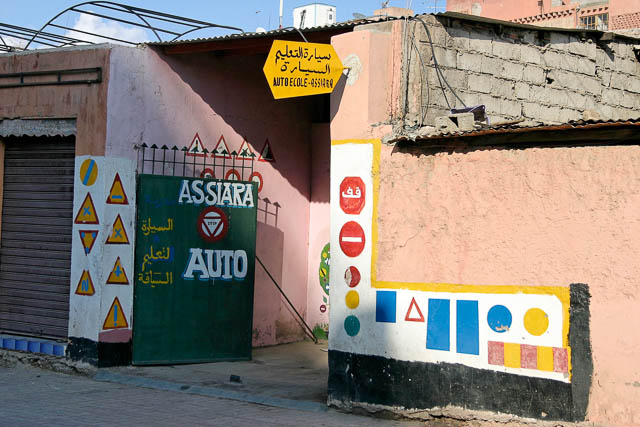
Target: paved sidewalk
33	397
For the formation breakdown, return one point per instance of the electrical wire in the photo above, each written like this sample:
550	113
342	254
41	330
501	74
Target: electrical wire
423	73
439	72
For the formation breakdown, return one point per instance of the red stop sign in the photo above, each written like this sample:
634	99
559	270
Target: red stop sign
352	239
352	195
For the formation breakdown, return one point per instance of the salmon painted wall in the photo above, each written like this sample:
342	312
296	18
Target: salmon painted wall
158	99
496	221
497	9
540	216
86	103
318	287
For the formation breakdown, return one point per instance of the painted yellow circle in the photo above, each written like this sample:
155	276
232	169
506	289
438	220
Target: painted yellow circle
352	299
536	321
88	172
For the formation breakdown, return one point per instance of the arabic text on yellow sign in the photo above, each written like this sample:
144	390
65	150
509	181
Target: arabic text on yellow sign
301	69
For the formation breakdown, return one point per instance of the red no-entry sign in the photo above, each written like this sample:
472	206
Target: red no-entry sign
352	195
352	239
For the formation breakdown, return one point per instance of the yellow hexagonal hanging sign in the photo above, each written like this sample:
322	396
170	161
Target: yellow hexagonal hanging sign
301	69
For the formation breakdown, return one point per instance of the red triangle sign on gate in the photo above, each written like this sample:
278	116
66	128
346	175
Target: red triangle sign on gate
266	154
412	317
222	150
196	148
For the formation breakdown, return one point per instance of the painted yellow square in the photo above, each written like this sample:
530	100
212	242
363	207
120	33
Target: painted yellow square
545	359
511	355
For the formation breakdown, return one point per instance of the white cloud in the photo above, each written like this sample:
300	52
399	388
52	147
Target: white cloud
96	25
12	41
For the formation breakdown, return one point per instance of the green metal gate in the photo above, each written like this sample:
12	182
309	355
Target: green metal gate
194	278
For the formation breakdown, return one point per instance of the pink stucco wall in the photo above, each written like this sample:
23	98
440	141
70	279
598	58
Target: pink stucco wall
537	216
319	232
540	216
85	103
161	99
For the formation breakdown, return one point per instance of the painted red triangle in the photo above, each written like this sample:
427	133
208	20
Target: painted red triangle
414	319
266	154
220	148
196	147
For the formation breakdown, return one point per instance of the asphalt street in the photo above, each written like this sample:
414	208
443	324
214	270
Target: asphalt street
34	397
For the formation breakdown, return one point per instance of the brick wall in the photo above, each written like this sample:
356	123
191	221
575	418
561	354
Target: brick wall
536	75
626	21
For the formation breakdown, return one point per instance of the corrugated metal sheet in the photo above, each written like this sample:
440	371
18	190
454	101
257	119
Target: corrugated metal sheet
35	246
512	127
355	22
346	25
44	127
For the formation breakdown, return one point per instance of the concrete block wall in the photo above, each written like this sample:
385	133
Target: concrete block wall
542	75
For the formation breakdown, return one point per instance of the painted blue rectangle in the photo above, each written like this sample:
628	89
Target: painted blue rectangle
467	329
33	346
438	325
21	345
46	348
386	306
58	350
9	343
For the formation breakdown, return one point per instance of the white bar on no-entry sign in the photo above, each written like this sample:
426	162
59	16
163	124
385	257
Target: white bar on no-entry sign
352	239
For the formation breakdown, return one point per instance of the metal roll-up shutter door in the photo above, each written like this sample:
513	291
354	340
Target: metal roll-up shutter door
35	244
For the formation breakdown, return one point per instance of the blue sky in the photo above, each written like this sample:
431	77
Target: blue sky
246	14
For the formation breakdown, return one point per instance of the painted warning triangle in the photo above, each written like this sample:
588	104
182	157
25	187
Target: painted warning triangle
118	276
88	238
266	154
116	318
412	317
245	152
85	285
87	213
222	149
117	196
196	148
118	234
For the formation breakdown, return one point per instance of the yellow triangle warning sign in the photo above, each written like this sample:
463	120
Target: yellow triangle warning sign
118	275
85	285
88	238
116	318
196	148
87	213
118	234
266	154
117	196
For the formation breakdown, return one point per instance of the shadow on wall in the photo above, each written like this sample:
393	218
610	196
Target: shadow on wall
228	95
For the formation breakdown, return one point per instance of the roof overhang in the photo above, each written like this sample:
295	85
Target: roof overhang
622	132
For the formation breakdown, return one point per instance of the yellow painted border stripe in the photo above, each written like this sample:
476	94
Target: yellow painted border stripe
562	293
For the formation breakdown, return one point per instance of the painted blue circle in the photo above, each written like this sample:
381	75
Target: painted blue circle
499	318
352	325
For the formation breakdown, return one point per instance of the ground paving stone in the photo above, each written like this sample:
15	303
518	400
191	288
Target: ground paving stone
34	397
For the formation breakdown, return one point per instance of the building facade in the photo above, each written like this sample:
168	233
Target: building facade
493	276
608	15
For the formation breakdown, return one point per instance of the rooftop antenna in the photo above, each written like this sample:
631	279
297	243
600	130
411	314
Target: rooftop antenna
281	7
